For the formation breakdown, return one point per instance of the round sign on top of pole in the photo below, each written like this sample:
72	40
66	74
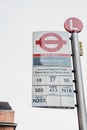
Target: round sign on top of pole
73	25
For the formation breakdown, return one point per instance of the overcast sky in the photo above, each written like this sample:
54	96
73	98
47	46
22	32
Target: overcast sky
18	19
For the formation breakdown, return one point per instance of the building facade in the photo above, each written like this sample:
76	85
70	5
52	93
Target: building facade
6	117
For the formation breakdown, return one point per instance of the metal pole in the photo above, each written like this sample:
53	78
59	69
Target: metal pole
81	108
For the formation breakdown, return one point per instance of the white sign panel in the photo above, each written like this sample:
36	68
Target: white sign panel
55	42
52	70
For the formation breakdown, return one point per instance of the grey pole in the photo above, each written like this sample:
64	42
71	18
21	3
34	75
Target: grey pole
81	107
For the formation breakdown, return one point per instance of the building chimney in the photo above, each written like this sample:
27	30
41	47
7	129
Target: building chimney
6	117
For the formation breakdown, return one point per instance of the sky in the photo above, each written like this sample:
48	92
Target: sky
18	19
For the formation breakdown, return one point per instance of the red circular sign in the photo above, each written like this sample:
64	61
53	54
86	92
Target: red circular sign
43	41
73	25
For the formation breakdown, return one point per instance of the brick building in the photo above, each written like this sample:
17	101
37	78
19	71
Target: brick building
6	117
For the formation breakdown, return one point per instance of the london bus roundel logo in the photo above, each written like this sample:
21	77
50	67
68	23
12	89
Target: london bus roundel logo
45	40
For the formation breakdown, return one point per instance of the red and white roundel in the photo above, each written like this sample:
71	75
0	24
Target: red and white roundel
43	41
73	25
